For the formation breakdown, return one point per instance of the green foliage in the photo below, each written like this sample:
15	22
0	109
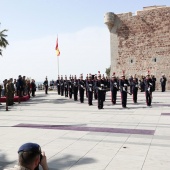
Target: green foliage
108	71
3	41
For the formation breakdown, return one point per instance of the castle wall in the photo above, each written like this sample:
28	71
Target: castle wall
141	43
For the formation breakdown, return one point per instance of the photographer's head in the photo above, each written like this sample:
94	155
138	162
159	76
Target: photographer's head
29	155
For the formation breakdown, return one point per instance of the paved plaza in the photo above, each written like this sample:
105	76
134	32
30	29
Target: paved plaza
76	136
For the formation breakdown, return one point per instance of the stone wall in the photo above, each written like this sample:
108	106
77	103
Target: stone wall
141	43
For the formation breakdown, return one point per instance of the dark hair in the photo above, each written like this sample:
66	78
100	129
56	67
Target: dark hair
27	158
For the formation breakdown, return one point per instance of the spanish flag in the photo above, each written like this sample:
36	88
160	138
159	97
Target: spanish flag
57	49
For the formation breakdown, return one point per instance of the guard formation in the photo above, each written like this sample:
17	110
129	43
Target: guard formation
95	87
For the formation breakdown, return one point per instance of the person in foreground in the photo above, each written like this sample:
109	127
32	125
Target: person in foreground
30	157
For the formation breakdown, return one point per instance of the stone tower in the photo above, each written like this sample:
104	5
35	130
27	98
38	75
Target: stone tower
140	43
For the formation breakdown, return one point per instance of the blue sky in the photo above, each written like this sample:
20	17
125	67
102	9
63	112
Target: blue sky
33	26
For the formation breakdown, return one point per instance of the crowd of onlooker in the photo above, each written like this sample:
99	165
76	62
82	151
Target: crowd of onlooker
17	87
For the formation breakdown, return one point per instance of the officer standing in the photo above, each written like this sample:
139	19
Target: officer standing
90	85
62	86
75	88
148	90
153	78
70	88
134	84
163	82
46	85
82	85
58	85
66	86
94	85
100	91
114	87
123	84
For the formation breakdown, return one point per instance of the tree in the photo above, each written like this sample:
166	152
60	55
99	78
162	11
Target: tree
108	71
3	41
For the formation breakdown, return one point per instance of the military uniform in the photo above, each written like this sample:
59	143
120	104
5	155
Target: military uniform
82	86
100	92
58	85
62	86
75	88
70	88
46	86
12	91
66	87
90	85
123	84
94	85
148	90
163	83
134	85
153	82
114	87
9	94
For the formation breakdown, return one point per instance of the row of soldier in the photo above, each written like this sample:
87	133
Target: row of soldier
96	87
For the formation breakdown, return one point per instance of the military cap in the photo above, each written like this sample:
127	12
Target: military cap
33	147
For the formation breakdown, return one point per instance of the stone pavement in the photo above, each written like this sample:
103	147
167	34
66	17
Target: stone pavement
79	137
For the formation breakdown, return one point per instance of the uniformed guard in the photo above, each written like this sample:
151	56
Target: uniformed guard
100	91
130	82
90	86
123	84
114	87
46	85
62	86
163	82
105	87
94	85
82	86
141	83
58	85
70	88
148	90
12	91
66	86
75	88
153	78
9	93
135	87
86	86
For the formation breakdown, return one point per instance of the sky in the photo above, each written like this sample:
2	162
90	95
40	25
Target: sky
83	38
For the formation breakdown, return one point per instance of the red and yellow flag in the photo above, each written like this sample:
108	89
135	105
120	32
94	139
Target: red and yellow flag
57	49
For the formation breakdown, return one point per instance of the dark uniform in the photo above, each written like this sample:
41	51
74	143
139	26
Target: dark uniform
153	82
100	92
66	87
163	83
142	84
148	90
114	87
58	85
62	86
75	88
46	85
123	84
130	83
82	87
12	91
70	88
134	85
90	86
94	85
